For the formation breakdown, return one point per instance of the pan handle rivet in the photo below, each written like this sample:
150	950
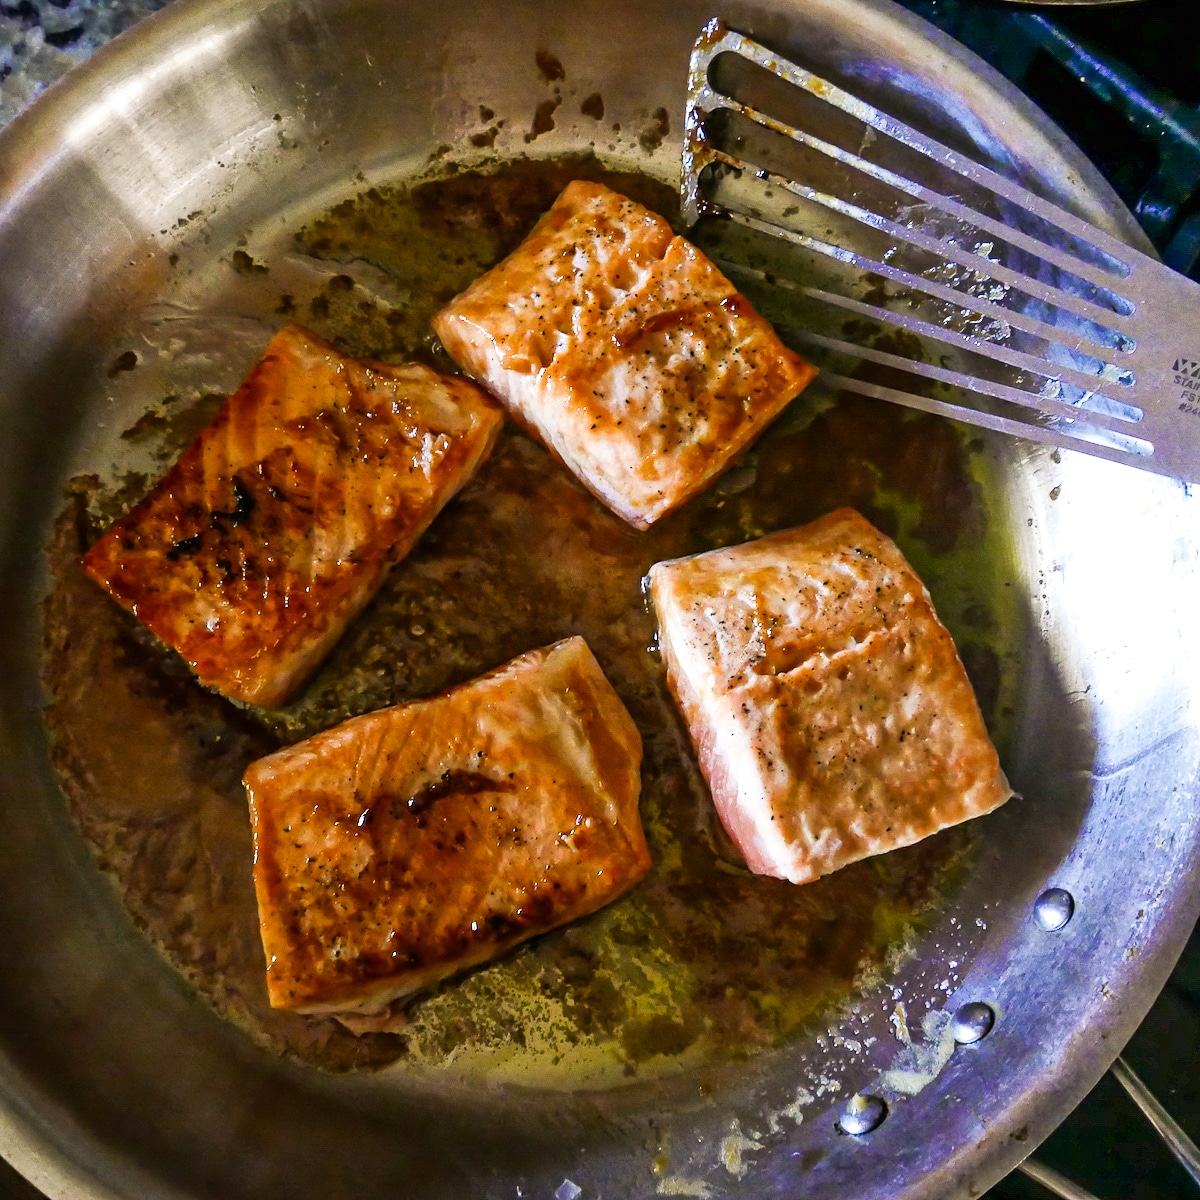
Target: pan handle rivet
972	1023
1053	909
862	1114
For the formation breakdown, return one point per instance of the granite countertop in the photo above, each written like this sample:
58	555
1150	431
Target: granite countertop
40	40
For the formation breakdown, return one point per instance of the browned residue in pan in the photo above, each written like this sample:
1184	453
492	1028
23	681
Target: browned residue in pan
152	762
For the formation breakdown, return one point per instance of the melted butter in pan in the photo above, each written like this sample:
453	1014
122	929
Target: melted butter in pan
702	963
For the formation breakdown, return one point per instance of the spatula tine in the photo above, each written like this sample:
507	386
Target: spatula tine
1095	314
1101	442
986	225
998	391
723	40
1013	358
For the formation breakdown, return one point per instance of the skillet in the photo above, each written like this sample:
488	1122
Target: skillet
116	1081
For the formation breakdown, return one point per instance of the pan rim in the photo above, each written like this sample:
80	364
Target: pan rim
23	160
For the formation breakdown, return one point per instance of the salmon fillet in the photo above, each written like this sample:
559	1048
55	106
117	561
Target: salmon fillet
625	349
407	844
279	523
832	717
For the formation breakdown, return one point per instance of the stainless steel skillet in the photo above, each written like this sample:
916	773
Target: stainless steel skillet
116	1081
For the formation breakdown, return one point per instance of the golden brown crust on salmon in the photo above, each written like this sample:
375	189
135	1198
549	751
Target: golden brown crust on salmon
279	523
633	358
831	714
407	844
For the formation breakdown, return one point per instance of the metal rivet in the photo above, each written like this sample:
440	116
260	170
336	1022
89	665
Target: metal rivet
972	1023
862	1114
1053	909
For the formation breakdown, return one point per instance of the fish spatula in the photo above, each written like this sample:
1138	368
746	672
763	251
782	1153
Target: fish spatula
909	272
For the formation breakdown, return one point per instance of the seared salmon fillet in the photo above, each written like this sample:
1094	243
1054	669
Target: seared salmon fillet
279	523
625	349
407	844
832	717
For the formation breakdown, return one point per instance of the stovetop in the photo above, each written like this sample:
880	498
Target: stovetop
1125	84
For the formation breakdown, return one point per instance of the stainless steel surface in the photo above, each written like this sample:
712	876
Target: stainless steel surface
1167	1128
1053	909
116	1081
1085	343
862	1114
972	1022
1054	1181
